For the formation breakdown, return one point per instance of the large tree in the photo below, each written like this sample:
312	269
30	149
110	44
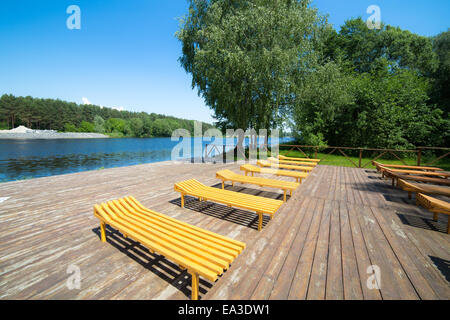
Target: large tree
247	57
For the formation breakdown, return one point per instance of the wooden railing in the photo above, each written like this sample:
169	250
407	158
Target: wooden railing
343	151
418	152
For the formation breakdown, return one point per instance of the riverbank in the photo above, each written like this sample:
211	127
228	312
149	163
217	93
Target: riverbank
23	133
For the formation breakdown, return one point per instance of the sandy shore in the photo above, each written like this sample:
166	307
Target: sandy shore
49	134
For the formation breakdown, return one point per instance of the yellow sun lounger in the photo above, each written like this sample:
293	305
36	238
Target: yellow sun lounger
423	188
200	252
299	176
434	205
276	161
259	205
228	175
298	159
265	164
379	166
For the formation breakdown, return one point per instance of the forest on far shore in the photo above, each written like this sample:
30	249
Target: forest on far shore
50	114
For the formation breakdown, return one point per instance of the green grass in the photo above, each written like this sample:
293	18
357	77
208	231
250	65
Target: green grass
341	161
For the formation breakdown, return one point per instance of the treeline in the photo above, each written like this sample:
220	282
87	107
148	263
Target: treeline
50	114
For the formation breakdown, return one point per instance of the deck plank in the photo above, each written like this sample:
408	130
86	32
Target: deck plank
318	246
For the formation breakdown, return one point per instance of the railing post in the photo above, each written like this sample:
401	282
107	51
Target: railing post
360	157
224	155
419	156
317	151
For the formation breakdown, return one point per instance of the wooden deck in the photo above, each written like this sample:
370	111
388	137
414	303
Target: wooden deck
319	246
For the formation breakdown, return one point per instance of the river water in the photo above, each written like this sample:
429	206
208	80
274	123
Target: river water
27	159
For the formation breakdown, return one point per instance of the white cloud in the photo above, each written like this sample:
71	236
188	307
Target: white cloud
85	100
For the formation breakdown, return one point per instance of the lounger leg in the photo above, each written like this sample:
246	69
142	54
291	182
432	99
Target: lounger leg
436	217
182	200
223	185
448	225
103	231
260	222
246	173
195	282
284	197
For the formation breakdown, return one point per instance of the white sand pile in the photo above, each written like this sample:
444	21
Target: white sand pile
22	132
20	129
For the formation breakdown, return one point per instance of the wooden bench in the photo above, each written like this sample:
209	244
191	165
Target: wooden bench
423	188
228	175
296	163
260	205
434	205
200	252
267	164
299	176
395	166
396	176
298	159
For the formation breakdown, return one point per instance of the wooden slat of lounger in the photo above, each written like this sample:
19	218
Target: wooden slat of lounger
285	173
152	243
296	163
250	202
421	173
206	192
283	166
378	164
173	244
434	203
199	231
440	181
216	244
298	159
180	240
229	175
242	203
436	206
423	188
208	237
233	199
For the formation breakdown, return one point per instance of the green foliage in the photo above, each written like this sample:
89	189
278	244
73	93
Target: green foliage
69	117
441	89
247	57
372	90
367	50
70	127
99	124
87	127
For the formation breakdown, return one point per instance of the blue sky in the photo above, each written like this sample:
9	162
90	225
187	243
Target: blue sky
126	54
